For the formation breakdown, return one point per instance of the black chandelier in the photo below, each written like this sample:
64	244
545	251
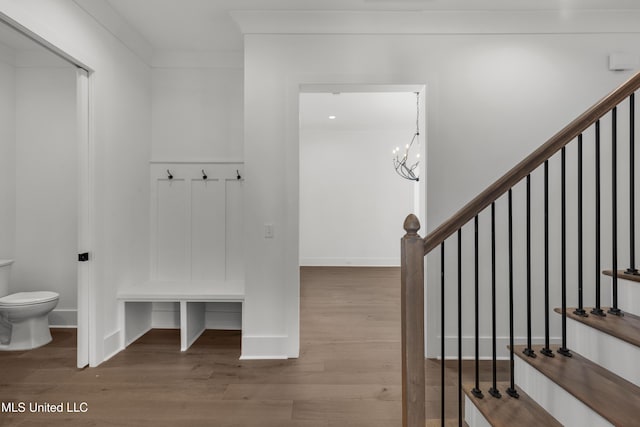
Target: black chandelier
402	164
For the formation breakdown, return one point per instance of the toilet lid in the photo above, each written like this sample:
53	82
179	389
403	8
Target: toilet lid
27	298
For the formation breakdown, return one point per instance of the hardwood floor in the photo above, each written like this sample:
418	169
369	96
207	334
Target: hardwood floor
348	373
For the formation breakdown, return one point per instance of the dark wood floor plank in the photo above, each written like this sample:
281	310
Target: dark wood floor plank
611	396
626	328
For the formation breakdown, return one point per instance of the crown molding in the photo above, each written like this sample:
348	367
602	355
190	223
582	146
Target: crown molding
438	22
106	16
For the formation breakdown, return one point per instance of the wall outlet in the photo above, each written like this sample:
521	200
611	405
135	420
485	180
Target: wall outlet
268	231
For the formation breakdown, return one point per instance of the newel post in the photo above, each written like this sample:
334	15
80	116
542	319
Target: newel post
412	277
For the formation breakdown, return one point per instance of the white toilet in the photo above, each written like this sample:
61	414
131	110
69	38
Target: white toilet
24	316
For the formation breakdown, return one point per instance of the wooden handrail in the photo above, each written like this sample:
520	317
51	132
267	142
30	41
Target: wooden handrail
531	162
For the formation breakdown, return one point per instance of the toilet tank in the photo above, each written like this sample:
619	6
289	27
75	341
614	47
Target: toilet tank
5	269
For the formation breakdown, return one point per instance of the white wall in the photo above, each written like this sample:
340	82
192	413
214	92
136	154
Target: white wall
7	158
121	137
197	114
46	186
352	202
491	99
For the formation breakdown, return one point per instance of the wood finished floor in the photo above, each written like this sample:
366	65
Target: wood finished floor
348	373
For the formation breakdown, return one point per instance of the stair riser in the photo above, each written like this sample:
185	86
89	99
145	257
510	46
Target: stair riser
473	416
629	296
554	399
613	354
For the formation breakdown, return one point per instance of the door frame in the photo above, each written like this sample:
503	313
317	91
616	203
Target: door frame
86	300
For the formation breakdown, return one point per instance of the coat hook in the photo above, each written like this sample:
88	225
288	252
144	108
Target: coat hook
169	175
204	175
238	174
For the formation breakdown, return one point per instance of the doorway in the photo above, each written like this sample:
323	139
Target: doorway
352	201
45	183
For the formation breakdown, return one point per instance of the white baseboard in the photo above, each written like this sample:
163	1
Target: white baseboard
63	318
349	262
111	345
256	347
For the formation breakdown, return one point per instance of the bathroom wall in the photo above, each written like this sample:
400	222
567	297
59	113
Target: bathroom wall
46	185
7	152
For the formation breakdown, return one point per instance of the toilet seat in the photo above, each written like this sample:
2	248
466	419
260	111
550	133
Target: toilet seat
27	298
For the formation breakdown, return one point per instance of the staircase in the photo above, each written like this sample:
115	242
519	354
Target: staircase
546	229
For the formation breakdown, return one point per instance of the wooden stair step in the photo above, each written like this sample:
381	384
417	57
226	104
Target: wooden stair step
614	398
508	411
623	275
625	328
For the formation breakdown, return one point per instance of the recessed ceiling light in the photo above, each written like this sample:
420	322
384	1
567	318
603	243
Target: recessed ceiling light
332	117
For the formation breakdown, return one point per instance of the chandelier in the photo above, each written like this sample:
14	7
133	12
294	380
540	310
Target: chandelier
404	166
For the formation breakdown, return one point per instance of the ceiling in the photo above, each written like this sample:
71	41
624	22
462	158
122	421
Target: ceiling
206	25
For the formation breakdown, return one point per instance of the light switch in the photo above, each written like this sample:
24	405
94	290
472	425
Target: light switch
268	231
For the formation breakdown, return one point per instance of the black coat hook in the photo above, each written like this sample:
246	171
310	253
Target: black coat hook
238	174
169	175
204	175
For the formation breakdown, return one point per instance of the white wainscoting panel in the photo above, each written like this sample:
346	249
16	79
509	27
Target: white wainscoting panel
208	252
196	222
172	249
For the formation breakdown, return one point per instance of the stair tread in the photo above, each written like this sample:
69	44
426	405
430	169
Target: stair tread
623	275
625	328
614	398
508	411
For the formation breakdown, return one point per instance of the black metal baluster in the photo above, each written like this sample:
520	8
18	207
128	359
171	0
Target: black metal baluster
546	350
493	391
460	327
563	350
476	390
511	391
614	212
442	337
529	351
580	310
597	310
632	192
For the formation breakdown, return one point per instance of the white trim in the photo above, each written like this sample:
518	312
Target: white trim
349	262
436	22
195	161
102	12
111	345
83	269
256	347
